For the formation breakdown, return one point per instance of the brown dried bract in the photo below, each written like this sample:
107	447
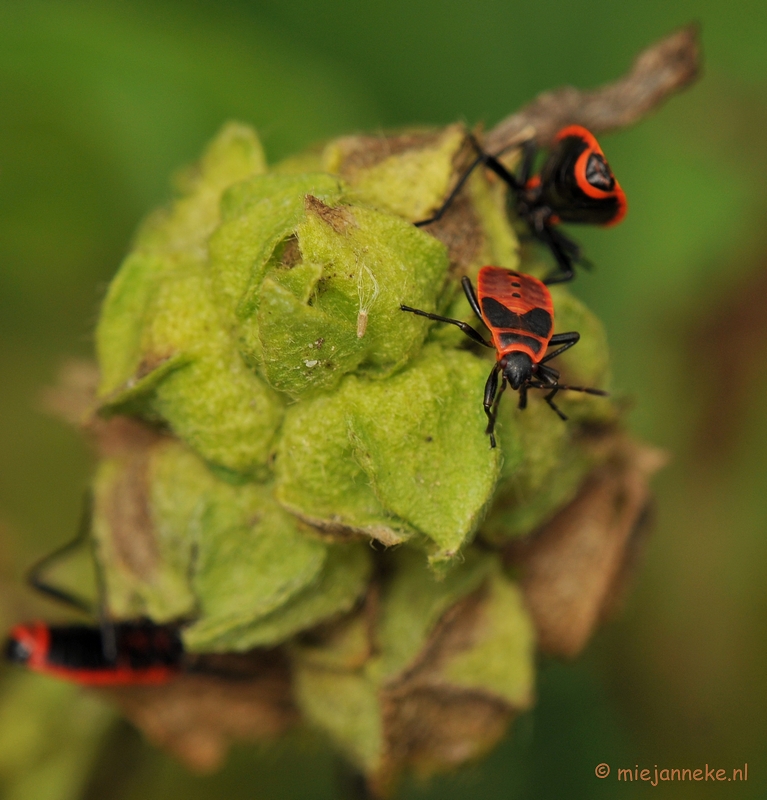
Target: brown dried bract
345	643
362	152
339	218
431	724
73	395
198	716
658	72
130	520
336	530
118	435
431	728
460	231
291	253
72	399
572	570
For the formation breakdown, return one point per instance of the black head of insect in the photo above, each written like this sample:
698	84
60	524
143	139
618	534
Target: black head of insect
517	369
27	642
17	651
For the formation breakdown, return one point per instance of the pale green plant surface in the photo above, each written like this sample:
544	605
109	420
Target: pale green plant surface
50	734
351	700
312	424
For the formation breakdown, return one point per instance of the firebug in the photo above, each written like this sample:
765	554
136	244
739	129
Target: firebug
575	184
519	313
112	653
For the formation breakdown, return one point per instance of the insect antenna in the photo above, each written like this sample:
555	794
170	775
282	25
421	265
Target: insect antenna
559	387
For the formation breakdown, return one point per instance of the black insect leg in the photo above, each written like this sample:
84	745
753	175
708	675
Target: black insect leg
491	388
564	260
566	252
451	197
492	398
529	149
567	340
549	398
36	581
107	626
468	290
494	413
584	389
35	575
573	249
548	374
464	326
493	164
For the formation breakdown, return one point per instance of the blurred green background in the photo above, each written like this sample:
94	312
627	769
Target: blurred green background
101	101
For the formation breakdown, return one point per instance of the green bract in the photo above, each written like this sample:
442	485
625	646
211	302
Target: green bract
178	542
486	648
291	414
398	449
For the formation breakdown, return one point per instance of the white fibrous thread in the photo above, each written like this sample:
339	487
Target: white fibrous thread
367	291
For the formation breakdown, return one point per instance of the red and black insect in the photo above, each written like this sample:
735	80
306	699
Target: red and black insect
112	653
575	184
519	313
135	652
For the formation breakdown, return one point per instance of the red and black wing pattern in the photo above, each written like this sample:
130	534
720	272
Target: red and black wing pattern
518	311
146	653
576	181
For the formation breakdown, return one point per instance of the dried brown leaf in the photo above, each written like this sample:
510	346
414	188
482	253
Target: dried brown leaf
570	570
198	716
661	70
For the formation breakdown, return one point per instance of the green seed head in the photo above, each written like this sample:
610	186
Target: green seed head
297	425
